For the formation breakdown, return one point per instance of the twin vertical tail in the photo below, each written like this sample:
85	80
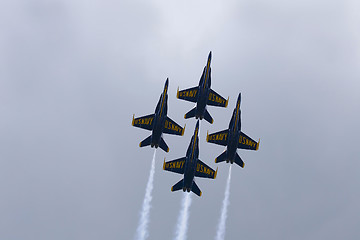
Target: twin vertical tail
147	142
180	185
223	157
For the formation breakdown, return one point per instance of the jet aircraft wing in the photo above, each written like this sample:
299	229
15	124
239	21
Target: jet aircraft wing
219	138
145	122
204	171
177	165
245	142
172	127
190	94
216	100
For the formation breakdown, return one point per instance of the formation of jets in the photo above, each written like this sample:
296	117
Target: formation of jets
191	166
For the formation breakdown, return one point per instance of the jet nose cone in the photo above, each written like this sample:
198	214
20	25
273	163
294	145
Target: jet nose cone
167	82
239	97
210	54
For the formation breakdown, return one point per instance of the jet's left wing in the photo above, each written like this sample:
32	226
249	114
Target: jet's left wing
145	122
245	142
204	171
219	138
172	127
177	165
216	100
190	94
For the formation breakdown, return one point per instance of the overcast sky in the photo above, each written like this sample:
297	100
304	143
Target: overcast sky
72	73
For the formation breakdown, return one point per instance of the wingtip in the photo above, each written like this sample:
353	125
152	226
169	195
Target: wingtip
185	116
257	145
226	103
164	164
207	136
172	189
182	134
140	144
215	160
243	165
177	93
167	150
200	194
216	173
212	121
132	123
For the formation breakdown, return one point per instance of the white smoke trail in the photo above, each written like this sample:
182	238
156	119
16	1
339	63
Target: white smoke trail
220	235
142	231
182	223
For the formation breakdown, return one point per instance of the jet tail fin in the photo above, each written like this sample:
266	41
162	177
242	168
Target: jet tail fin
179	185
163	145
221	157
195	189
207	117
238	161
145	142
190	114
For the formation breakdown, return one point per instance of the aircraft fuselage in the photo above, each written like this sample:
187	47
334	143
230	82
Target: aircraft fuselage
159	119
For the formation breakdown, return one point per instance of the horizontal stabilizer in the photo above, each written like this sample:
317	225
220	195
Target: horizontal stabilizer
245	142
177	165
145	142
195	189
190	94
207	117
221	157
171	127
238	161
163	145
219	138
145	122
190	114
216	100
204	171
179	185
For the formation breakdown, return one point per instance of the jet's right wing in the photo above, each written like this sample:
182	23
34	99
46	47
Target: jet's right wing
219	138
171	127
190	94
246	142
216	100
204	171
177	165
145	122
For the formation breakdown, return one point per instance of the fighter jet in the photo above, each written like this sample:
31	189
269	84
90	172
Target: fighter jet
202	95
233	139
191	166
158	123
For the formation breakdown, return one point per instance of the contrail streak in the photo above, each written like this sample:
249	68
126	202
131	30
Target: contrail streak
220	235
182	223
142	231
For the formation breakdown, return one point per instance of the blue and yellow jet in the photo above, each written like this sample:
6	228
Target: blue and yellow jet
202	95
158	123
191	166
233	139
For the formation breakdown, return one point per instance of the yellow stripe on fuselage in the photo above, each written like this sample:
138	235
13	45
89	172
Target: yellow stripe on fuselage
163	100
195	135
237	114
207	70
